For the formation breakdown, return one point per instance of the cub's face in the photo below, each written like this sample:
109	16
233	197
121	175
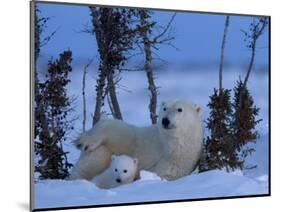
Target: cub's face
123	168
176	115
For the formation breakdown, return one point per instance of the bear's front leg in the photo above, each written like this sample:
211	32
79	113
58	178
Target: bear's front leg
91	164
165	169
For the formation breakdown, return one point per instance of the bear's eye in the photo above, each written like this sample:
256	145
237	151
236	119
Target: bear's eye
179	109
164	109
116	170
125	171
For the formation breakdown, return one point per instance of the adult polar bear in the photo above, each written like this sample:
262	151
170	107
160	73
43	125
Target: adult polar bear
170	148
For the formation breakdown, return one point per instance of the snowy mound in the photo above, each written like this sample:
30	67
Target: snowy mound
61	193
146	175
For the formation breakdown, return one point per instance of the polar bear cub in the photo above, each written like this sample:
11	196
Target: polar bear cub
122	170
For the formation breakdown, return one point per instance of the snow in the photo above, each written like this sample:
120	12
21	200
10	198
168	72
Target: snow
150	187
259	158
61	193
146	176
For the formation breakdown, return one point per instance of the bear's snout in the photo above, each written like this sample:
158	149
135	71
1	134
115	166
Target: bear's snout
165	122
118	180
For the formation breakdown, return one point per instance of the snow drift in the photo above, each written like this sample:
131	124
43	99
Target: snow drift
60	193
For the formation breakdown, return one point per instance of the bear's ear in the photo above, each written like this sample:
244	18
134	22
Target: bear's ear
136	161
113	157
77	143
78	146
162	104
198	109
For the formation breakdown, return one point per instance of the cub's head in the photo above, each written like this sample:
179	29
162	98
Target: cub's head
124	168
177	115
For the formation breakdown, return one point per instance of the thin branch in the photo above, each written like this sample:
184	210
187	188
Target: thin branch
83	93
132	69
123	87
222	51
47	39
165	29
256	33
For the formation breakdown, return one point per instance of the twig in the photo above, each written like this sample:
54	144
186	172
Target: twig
47	39
165	29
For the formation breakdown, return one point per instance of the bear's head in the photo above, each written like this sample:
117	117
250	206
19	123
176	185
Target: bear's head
175	116
123	168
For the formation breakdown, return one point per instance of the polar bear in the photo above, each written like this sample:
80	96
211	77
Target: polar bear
171	148
122	170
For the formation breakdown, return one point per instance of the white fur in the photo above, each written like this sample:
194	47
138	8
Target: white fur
122	170
171	152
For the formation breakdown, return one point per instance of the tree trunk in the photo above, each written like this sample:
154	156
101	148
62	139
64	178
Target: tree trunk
151	85
40	107
99	95
112	93
102	69
103	40
250	67
149	72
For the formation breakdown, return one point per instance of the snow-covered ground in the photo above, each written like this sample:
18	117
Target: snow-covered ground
58	193
61	193
196	86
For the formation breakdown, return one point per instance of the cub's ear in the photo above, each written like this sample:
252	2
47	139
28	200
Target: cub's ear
113	157
162	104
136	161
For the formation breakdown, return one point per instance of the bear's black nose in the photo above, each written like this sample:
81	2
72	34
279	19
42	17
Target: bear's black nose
118	180
165	122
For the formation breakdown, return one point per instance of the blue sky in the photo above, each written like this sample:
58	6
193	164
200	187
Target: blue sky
197	36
